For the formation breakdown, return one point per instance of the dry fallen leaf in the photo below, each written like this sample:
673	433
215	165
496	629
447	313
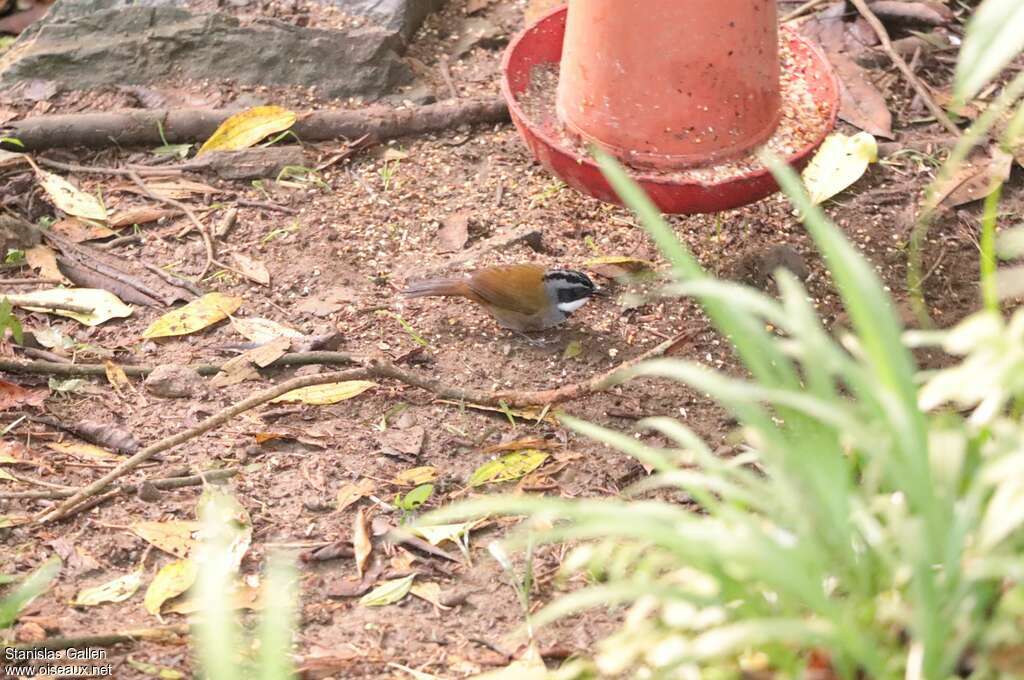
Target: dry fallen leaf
974	180
104	304
252	269
361	544
509	467
351	493
44	260
69	198
117	378
171	581
12	395
248	127
81	450
243	367
117	590
429	591
861	104
174	537
839	162
416	476
194	316
388	592
262	330
139	215
77	230
614	266
331	393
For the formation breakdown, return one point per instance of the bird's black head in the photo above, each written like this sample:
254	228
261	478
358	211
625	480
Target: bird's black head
569	288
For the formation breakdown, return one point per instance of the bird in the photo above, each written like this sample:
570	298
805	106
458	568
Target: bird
520	297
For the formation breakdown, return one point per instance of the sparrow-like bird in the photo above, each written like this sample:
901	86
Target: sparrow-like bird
521	297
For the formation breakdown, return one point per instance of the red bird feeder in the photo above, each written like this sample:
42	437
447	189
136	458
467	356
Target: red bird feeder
683	92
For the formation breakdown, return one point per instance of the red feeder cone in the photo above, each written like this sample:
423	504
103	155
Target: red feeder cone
669	84
683	92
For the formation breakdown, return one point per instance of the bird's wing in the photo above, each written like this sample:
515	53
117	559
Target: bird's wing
515	287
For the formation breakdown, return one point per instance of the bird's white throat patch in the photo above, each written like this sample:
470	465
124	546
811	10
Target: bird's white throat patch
570	307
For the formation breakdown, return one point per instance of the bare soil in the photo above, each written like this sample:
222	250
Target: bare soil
353	241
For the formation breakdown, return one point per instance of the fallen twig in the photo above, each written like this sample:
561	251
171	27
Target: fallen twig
174	279
174	203
28	281
142	128
104	640
801	10
161	483
19	301
266	206
372	369
120	241
62	369
901	64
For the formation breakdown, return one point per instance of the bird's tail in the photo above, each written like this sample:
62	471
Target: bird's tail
437	287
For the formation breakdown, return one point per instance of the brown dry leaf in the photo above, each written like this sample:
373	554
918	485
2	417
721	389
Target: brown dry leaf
862	105
252	269
242	368
44	260
77	230
139	215
976	179
452	236
614	266
12	395
107	434
361	543
178	188
351	493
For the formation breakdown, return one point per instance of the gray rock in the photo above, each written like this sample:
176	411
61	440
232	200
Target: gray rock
174	381
90	43
402	16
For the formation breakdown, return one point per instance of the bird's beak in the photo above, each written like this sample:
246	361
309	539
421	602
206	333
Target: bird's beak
601	293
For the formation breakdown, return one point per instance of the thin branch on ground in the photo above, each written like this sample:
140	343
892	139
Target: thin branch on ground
160	483
174	203
801	10
372	369
908	73
168	633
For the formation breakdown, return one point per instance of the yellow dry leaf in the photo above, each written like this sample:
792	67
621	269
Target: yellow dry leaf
173	537
350	493
416	476
242	597
104	304
244	129
509	467
839	163
331	393
7	476
69	198
194	316
117	590
81	450
388	592
171	581
117	378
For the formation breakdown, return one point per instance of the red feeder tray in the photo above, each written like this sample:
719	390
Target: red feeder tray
705	189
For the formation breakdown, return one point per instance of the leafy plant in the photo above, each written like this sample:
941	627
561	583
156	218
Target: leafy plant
9	321
14	256
413	500
34	585
387	172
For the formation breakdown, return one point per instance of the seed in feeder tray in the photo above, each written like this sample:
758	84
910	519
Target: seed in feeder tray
802	121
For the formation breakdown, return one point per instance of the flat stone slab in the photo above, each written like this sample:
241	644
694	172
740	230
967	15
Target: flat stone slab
90	43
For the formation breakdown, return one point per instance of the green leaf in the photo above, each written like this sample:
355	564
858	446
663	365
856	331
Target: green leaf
995	35
33	586
8	320
509	467
388	592
415	498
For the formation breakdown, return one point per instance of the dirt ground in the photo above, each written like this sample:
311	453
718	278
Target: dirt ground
339	256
